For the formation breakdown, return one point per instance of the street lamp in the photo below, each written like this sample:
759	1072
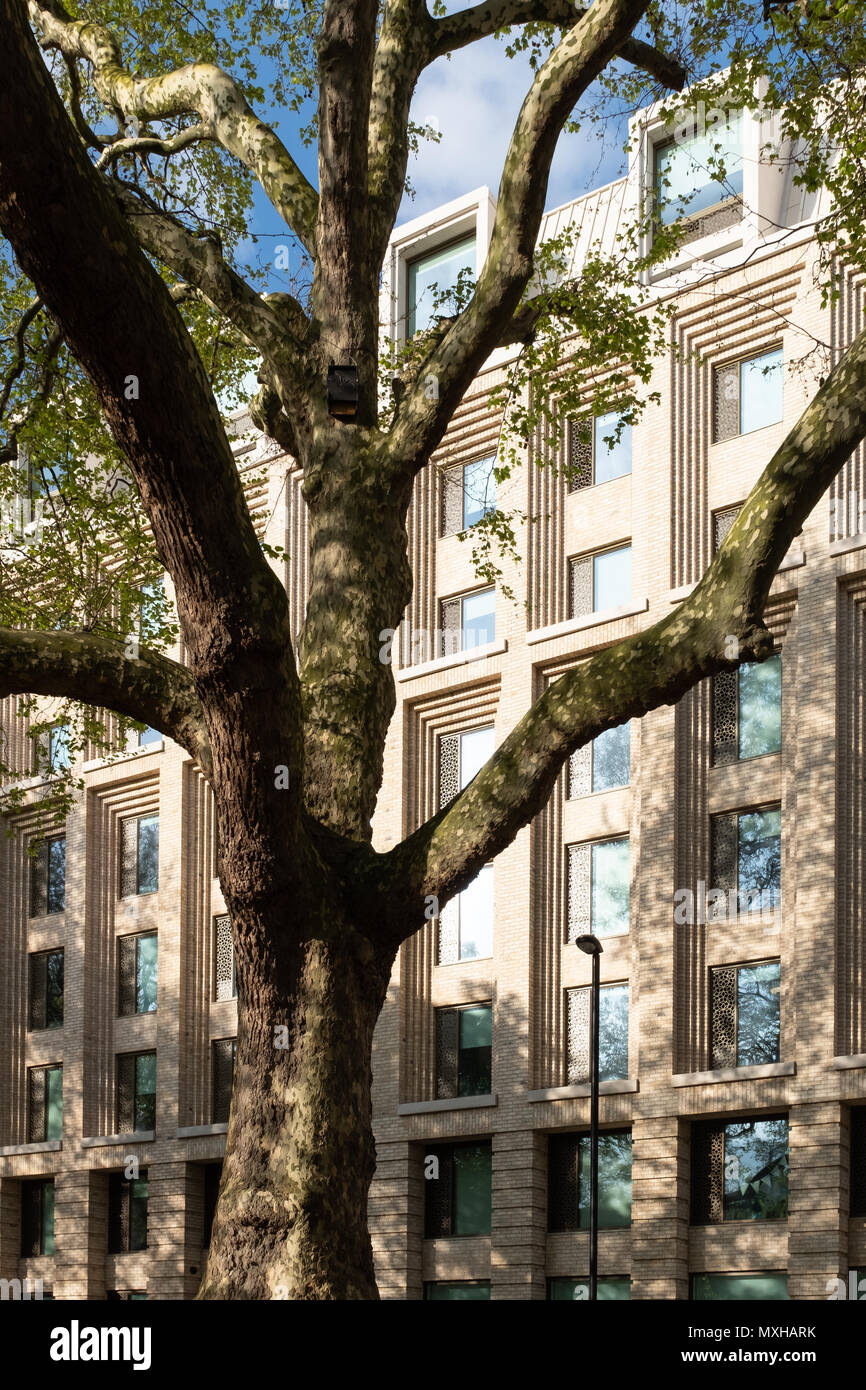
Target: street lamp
591	946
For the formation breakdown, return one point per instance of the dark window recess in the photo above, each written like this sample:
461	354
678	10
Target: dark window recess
457	1192
136	1092
212	1175
46	990
464	1051
127	1213
858	1161
44	1104
225	1051
740	1171
48	877
37	1217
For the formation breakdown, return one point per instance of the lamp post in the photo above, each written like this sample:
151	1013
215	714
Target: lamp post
591	946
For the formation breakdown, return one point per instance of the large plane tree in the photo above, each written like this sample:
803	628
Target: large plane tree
129	147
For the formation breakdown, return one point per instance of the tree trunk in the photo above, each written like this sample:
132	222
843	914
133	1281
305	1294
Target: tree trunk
291	1219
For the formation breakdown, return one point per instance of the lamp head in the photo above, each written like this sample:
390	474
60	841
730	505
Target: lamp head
590	945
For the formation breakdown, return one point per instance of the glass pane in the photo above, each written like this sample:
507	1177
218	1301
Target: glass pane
607	1290
476	1038
54	1103
756	1170
472	1190
478	619
48	1218
611	579
145	1091
149	736
457	1292
138	1214
614	1180
58	747
612	457
610	888
476	917
145	974
760	721
56	888
54	990
613	1033
475	748
758	991
761	388
719	1288
759	862
431	276
684	182
148	854
611	758
479	490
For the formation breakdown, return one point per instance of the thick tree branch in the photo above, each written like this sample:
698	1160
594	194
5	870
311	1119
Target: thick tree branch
403	49
268	322
200	88
81	666
654	667
455	31
574	64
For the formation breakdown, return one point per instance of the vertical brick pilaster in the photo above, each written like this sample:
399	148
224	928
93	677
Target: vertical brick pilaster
175	1194
660	1208
818	1200
80	1234
396	1217
519	1222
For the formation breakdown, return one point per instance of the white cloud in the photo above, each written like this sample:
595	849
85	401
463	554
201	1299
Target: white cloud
474	98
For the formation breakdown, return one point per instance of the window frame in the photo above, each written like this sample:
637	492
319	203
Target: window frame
448	1151
593	556
123	943
739	362
126	854
42	865
586	990
588	755
33	969
588	451
136	1094
591	926
442	1091
411	264
737	968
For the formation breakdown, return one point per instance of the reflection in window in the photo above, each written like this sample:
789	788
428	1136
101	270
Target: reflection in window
748	395
598	888
577	1290
598	450
464	1049
746	1014
568	1180
740	1171
458	1291
738	1288
600	581
686	171
747	711
603	764
612	1030
434	275
457	1190
746	863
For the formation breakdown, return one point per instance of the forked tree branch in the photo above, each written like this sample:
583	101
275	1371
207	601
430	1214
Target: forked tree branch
651	668
148	687
576	61
199	89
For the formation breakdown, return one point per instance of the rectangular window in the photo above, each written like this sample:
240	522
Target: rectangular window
601	765
457	1190
59	748
747	711
467	622
45	1104
458	1291
688	178
746	864
37	1217
568	1180
598	451
600	581
127	1213
433	276
748	395
745	1014
137	961
464	1049
225	1052
468	495
858	1160
598	888
139	870
48	877
739	1288
225	974
136	1092
740	1171
612	1035
466	922
722	523
577	1290
46	990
